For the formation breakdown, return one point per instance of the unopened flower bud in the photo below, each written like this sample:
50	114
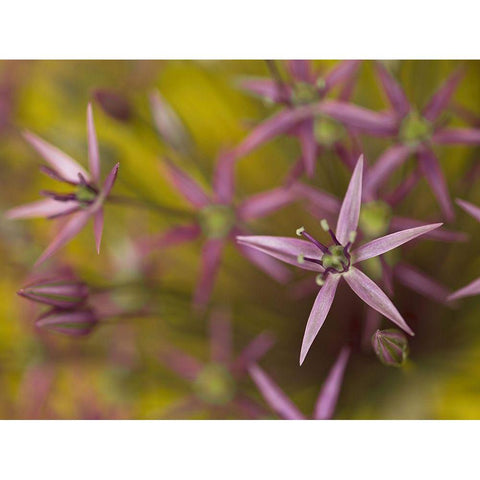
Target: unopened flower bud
69	322
391	347
113	104
56	292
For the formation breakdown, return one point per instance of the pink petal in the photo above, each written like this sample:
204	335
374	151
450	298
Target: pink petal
327	400
308	144
472	288
184	365
285	249
262	204
420	282
253	352
434	175
211	258
223	179
372	295
110	181
220	337
440	234
388	162
393	90
172	237
403	189
343	71
98	228
41	208
249	407
93	155
350	209
186	186
322	201
300	70
373	320
473	210
262	87
62	163
389	242
457	136
274	396
442	97
319	313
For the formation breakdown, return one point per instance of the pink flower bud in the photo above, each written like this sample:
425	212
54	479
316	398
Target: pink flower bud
69	322
391	347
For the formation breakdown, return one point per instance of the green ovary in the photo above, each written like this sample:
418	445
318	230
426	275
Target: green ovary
327	131
335	258
215	385
415	129
375	219
85	195
217	220
304	93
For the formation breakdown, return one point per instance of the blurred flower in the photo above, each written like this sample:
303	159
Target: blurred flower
220	220
391	347
336	262
85	203
214	383
326	401
77	322
415	134
114	104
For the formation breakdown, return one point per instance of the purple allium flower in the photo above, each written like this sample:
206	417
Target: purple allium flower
473	288
214	383
220	220
84	203
391	347
338	261
78	322
305	88
326	401
416	133
60	292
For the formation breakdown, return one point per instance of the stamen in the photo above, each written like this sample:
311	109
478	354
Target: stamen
319	280
301	259
60	197
301	231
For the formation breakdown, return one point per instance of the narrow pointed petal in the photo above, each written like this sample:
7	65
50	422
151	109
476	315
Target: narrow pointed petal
248	407
42	208
211	258
472	288
184	365
319	313
322	201
186	186
421	283
253	352
98	228
439	234
274	396
62	163
110	181
473	210
328	397
220	337
387	276
223	179
308	144
457	136
373	320
387	163
295	172
173	237
440	100
350	209
342	72
373	296
404	188
389	242
300	70
393	90
262	87
69	231
434	175
284	248
262	204
93	154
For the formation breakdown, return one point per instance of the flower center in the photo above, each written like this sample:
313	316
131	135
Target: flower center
327	131
85	195
415	129
303	93
215	385
375	219
217	221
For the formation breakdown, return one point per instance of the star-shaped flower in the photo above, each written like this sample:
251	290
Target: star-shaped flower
338	261
85	202
326	401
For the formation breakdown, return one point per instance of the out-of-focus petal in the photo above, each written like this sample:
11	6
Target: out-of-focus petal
350	209
440	234
389	242
98	228
184	365
328	397
253	352
342	72
284	248
174	236
211	258
263	87
224	178
319	313
308	144
442	97
262	204
457	136
186	186
110	181
470	208
42	208
372	295
93	154
373	320
420	282
220	337
434	175
322	201
62	163
300	70
393	90
274	396
472	288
